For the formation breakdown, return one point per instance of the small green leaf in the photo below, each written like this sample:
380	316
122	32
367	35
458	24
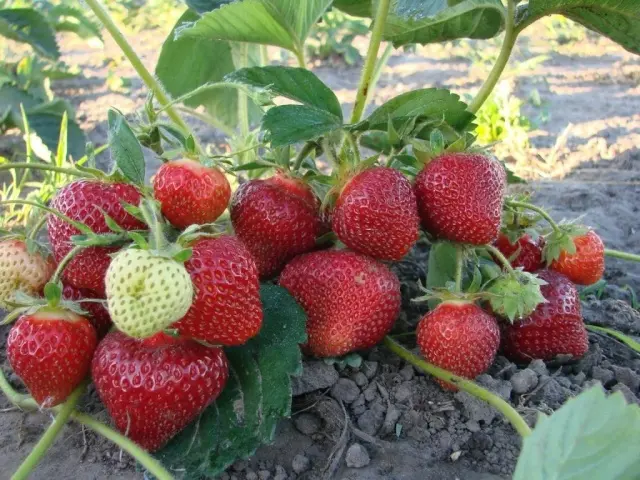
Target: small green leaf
436	141
297	84
592	436
256	397
441	269
289	124
357	8
430	21
628	341
183	255
112	224
512	178
29	26
617	19
126	151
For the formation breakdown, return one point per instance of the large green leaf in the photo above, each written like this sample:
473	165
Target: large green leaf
283	23
257	395
430	21
11	97
29	26
592	436
358	8
289	124
187	63
617	19
68	18
297	84
427	104
202	6
441	268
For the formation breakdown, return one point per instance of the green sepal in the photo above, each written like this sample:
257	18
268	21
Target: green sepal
53	293
515	295
562	240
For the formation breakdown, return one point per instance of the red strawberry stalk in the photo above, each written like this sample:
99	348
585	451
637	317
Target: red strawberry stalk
463	384
25	402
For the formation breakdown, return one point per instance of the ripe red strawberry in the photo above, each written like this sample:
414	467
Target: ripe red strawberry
51	352
459	337
586	266
191	193
351	300
554	328
97	312
460	197
376	214
22	270
154	387
226	308
529	255
276	219
86	201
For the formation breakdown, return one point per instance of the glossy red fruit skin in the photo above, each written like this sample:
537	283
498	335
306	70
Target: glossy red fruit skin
530	255
554	328
376	214
154	387
226	308
275	221
97	313
586	266
50	354
191	193
351	300
85	201
459	337
460	197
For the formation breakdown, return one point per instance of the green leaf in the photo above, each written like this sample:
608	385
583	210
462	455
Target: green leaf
257	395
202	6
434	104
592	436
297	84
628	341
46	126
126	151
289	124
29	26
283	23
431	21
357	8
10	99
441	268
67	18
187	63
618	20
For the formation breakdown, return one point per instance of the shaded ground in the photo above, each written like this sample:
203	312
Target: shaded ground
404	425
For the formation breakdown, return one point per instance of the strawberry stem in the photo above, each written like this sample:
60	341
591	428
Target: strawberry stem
49	436
302	154
33	234
370	62
48	168
534	208
463	384
351	140
459	264
623	255
25	402
65	261
80	226
500	256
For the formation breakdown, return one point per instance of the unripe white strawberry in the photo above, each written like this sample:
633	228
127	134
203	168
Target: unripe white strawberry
146	293
21	270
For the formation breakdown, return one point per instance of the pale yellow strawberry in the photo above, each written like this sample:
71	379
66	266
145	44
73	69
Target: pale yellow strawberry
146	293
21	270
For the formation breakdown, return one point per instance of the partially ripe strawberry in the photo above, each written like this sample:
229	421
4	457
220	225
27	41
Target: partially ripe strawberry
153	388
352	301
87	201
459	337
146	293
554	328
51	351
527	251
460	197
277	219
226	308
97	313
376	214
21	270
586	265
191	193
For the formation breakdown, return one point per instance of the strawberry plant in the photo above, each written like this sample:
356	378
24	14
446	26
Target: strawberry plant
198	369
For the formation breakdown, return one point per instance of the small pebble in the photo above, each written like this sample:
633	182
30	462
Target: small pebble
604	375
360	379
357	456
300	464
539	367
369	369
307	423
251	475
524	381
345	390
264	475
407	372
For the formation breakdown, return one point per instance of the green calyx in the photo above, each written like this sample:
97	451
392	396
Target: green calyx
561	239
515	295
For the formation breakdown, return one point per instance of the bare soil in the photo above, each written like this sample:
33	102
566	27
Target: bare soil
402	424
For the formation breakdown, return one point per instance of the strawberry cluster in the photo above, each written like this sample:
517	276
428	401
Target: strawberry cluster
150	263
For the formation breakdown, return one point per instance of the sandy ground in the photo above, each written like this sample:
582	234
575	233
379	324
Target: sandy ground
589	140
